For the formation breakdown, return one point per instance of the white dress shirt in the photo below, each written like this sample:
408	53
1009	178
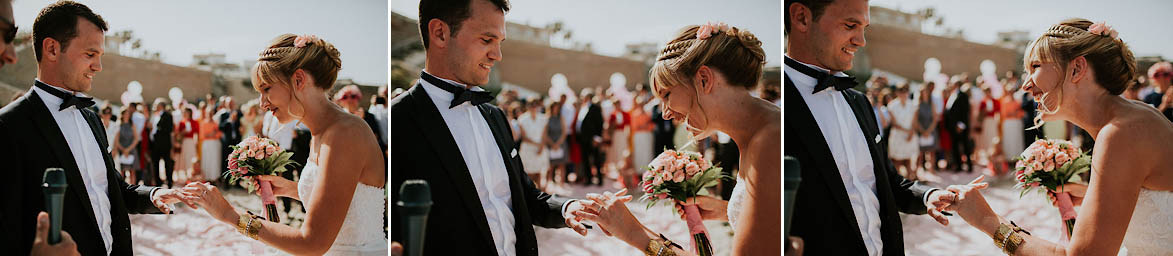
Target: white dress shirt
850	149
279	132
484	161
87	155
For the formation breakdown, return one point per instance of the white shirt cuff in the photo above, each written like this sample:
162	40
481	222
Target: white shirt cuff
925	198
564	205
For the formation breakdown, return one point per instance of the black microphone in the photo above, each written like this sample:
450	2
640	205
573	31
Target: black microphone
54	188
415	200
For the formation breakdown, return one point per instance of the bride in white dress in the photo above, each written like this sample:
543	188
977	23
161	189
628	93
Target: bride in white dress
694	87
341	185
1077	71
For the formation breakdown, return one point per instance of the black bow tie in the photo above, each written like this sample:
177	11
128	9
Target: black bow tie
825	80
67	98
459	93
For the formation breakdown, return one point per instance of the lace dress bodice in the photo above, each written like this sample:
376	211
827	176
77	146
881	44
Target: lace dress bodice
736	199
1150	231
362	231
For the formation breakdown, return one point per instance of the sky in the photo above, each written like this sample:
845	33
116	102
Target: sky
1143	25
609	25
241	29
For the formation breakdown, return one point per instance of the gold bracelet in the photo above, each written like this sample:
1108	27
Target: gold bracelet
660	247
242	224
254	227
1001	234
1013	242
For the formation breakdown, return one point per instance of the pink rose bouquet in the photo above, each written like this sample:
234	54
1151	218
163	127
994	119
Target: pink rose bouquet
258	156
681	175
1051	164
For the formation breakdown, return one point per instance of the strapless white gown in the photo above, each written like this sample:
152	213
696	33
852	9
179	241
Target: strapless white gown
736	199
1150	231
362	231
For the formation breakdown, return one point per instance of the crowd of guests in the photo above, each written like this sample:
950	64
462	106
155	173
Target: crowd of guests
980	122
603	135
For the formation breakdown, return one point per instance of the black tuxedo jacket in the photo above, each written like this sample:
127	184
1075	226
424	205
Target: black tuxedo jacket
31	141
161	142
958	113
822	214
230	129
423	148
592	125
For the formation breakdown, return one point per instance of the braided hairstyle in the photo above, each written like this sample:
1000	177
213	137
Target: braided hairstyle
281	59
1110	58
734	52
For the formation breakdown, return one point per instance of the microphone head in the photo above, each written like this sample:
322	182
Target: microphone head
414	194
54	180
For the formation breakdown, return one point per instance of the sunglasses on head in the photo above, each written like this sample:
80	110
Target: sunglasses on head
10	34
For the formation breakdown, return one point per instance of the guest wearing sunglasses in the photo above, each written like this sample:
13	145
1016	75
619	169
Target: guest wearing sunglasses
8	31
1161	75
348	98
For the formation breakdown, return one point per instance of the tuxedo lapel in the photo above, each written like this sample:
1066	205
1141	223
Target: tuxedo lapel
52	133
812	138
437	134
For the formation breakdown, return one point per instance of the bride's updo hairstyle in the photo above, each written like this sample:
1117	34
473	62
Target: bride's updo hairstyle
735	52
1106	54
283	57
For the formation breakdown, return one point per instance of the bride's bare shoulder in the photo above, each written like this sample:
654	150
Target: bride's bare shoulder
349	130
1135	142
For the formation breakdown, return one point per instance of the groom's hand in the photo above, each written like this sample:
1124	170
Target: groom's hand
573	221
938	201
41	244
164	197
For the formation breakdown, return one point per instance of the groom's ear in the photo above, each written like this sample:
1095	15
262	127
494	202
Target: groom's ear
438	33
800	17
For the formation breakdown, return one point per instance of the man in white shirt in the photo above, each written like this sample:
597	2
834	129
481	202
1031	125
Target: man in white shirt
446	133
850	197
51	127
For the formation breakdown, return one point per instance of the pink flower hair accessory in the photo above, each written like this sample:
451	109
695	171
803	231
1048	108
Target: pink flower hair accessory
302	40
709	29
1100	28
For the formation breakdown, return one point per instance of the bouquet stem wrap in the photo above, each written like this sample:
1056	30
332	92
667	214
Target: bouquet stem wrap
269	200
700	236
1067	212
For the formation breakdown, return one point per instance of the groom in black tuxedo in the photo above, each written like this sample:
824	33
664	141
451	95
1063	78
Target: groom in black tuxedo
443	131
850	195
51	127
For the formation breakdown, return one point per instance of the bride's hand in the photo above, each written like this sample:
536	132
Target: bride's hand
711	208
610	212
1077	192
209	197
971	205
281	186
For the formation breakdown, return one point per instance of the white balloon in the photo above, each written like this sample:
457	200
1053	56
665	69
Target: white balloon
175	94
618	79
134	87
988	67
932	68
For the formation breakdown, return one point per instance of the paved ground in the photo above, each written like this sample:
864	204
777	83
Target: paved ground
194	232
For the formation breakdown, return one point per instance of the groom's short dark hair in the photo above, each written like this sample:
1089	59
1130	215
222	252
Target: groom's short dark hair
816	6
452	12
59	21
